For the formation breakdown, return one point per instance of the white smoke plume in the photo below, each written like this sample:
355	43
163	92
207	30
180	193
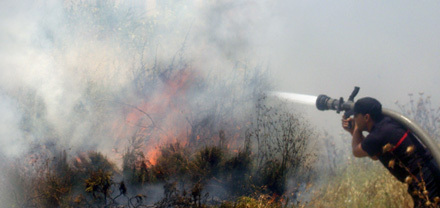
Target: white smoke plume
74	58
73	72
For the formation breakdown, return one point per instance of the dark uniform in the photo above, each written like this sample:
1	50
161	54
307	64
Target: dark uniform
406	158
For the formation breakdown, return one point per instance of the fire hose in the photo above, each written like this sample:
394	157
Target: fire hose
323	102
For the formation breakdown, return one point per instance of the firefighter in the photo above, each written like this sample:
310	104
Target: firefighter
396	148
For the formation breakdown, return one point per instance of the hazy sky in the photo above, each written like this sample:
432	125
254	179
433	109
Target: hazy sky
388	48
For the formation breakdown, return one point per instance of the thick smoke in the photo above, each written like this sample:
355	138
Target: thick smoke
11	138
78	59
72	71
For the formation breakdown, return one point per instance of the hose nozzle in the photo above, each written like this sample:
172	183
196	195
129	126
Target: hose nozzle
324	102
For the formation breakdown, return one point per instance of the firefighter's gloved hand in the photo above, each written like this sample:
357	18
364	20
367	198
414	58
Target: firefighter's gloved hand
348	124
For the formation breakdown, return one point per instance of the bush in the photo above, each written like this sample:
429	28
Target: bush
237	173
282	147
272	178
93	178
423	113
208	162
173	162
134	165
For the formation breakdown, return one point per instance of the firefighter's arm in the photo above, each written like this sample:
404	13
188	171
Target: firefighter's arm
356	143
349	125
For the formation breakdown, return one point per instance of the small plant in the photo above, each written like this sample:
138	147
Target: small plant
208	162
94	175
423	113
174	161
237	172
134	164
181	198
98	184
282	140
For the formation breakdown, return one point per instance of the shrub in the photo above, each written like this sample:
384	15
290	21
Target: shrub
423	113
208	162
134	165
172	162
282	140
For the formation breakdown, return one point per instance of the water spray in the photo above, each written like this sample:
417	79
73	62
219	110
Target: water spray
324	102
294	97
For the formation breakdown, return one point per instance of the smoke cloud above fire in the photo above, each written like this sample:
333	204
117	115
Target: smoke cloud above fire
68	69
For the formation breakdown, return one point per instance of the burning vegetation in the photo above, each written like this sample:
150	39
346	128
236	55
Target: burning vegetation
206	172
124	123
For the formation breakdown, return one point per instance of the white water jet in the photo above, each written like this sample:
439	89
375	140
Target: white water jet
294	97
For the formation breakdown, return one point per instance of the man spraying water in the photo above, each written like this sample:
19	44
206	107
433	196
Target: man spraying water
402	146
397	149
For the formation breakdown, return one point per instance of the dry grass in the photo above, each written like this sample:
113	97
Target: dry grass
362	184
261	201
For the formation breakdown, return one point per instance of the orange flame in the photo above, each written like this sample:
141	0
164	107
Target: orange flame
159	120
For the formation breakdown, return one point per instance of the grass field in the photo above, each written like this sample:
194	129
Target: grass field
360	184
